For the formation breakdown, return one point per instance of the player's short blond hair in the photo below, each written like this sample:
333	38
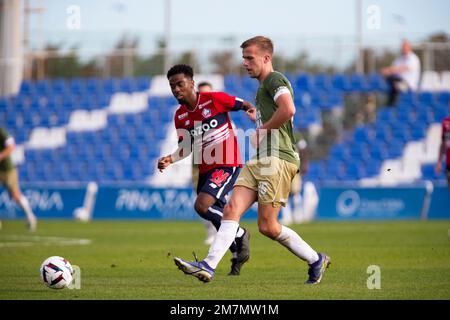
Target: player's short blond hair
262	42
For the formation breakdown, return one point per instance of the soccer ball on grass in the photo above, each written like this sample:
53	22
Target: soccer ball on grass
56	272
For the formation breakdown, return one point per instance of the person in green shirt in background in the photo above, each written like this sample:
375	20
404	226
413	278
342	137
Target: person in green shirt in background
9	177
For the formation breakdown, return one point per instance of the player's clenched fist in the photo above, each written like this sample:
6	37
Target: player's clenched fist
251	113
164	162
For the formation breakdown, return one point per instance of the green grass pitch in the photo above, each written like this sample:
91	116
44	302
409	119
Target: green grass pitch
134	260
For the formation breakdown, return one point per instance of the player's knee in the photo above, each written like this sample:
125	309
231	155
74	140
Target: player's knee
201	207
16	195
230	212
268	230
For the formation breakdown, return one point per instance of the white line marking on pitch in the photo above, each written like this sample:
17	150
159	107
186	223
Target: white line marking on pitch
27	241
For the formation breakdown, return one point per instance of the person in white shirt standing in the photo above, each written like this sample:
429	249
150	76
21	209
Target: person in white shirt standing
403	74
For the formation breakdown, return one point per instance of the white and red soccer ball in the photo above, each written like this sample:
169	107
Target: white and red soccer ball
56	272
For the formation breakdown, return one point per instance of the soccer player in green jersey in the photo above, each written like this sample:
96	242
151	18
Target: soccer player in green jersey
267	178
8	177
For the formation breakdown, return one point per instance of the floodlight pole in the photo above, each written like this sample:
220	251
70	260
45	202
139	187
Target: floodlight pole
167	34
360	54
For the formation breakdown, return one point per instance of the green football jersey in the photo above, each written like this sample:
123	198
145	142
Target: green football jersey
5	164
281	145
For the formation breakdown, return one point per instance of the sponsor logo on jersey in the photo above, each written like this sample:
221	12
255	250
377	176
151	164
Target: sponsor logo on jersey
204	104
219	176
206	112
188	122
204	128
182	116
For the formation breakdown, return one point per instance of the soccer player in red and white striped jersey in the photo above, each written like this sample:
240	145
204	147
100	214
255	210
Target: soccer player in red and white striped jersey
445	149
204	129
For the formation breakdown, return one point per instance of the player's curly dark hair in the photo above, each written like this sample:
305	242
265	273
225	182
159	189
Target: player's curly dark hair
181	68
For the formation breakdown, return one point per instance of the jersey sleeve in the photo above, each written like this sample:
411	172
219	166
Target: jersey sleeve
182	133
177	127
277	85
224	102
6	138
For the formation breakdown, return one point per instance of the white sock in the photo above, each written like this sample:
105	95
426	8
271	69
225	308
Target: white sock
240	232
223	240
25	205
291	240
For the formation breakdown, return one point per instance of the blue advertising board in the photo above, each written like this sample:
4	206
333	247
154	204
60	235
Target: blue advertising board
46	202
144	202
440	203
111	202
148	203
370	203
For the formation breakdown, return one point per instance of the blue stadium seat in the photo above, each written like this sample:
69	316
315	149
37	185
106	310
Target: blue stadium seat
335	99
43	86
386	115
127	85
339	152
354	170
304	82
401	131
395	148
376	82
428	172
363	134
440	114
59	86
250	84
378	151
340	82
230	82
406	116
322	82
372	168
143	83
426	98
444	98
111	85
359	151
418	131
425	116
27	87
77	86
406	106
358	82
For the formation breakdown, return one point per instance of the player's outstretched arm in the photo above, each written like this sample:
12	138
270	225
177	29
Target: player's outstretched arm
178	155
8	150
250	110
164	162
284	113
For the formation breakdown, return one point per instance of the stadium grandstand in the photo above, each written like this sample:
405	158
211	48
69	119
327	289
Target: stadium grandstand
109	119
113	130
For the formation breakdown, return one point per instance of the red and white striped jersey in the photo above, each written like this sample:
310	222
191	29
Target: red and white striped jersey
446	139
209	128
